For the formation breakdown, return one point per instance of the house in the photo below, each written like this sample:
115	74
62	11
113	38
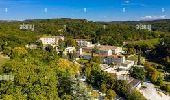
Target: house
84	43
139	66
135	83
114	59
31	46
121	75
69	50
86	49
87	57
51	40
127	64
115	50
103	50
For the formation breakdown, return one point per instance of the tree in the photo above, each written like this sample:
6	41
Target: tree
111	94
160	81
8	97
19	52
39	44
49	48
122	88
139	57
61	45
79	91
138	73
66	97
7	50
103	87
154	76
96	59
70	42
136	95
65	67
167	88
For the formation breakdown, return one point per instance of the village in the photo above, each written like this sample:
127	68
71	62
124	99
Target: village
112	59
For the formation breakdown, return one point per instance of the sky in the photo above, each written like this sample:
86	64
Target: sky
95	10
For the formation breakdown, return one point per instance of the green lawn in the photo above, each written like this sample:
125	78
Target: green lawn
135	58
149	42
3	60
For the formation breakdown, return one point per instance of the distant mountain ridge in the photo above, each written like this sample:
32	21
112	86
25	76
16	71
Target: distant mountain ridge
157	25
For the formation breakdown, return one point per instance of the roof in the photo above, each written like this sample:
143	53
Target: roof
112	56
87	48
107	47
135	82
126	63
52	37
82	39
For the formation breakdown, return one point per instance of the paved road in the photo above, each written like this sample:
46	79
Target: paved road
152	94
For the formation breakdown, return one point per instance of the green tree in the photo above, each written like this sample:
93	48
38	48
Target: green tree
136	95
19	52
103	87
111	94
138	73
49	48
70	42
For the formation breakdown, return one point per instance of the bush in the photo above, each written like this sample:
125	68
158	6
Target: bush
111	94
166	88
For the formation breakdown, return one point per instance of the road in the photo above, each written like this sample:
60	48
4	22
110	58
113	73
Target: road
152	94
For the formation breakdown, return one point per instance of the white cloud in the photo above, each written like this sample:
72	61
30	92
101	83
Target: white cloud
124	10
85	10
6	10
127	1
163	9
45	10
153	17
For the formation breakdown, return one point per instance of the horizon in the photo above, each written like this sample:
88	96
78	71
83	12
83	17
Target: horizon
84	19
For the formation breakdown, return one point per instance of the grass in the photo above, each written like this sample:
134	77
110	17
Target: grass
135	58
82	61
3	60
150	42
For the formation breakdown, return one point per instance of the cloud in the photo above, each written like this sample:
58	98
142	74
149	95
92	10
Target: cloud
124	10
153	17
45	10
85	10
128	3
133	4
6	10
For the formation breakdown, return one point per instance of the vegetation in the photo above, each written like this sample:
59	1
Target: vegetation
138	73
109	84
113	34
161	53
3	60
166	88
37	77
45	75
145	44
155	76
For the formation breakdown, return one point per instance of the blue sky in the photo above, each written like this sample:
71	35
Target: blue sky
96	10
